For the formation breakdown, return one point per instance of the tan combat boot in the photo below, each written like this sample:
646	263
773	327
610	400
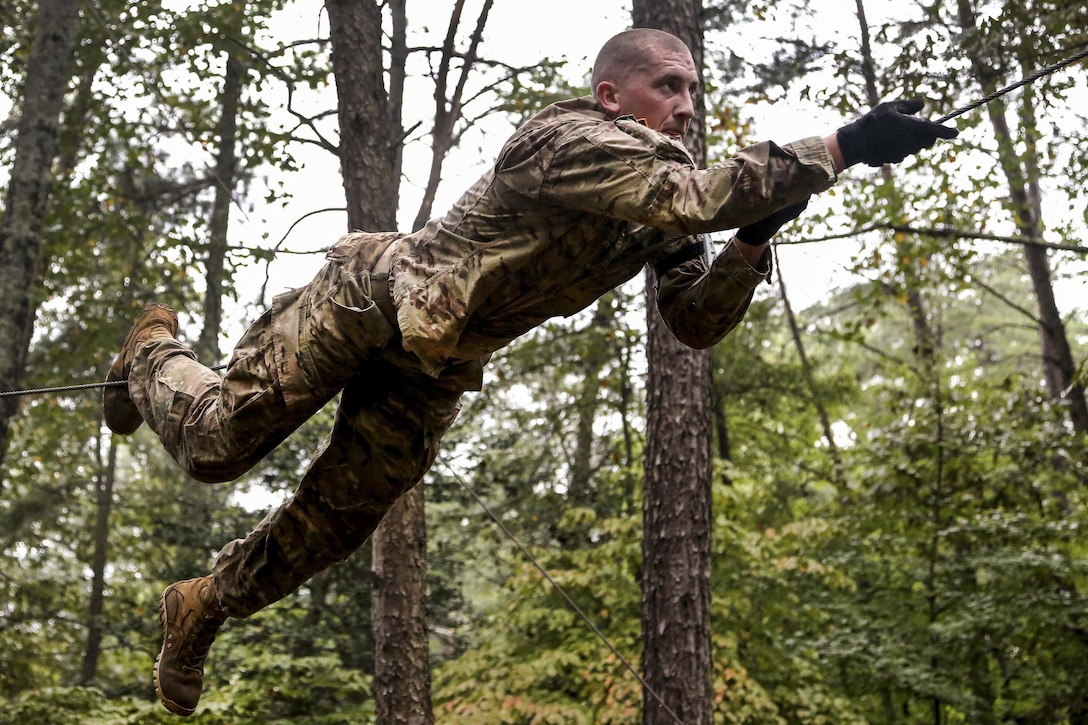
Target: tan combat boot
191	615
155	322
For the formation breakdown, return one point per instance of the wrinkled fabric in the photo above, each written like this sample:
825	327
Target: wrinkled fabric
385	437
400	325
575	205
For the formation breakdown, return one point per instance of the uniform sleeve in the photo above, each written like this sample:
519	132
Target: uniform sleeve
627	171
754	183
701	303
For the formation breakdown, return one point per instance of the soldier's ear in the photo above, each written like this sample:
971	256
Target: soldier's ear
608	98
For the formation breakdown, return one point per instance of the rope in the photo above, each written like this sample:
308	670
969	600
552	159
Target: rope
570	602
1008	89
931	232
67	388
61	388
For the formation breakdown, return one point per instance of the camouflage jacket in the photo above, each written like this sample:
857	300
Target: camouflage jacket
577	204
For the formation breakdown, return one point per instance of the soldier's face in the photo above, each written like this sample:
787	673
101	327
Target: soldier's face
661	93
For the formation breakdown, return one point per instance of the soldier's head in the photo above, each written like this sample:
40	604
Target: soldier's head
648	74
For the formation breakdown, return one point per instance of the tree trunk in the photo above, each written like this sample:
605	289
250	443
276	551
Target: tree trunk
676	525
202	501
104	503
402	681
1059	367
676	531
207	347
370	159
369	151
28	192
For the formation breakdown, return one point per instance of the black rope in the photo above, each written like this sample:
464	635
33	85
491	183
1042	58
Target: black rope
68	388
932	232
1008	89
570	602
61	389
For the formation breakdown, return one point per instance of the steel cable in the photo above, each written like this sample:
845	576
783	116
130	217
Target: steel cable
1009	89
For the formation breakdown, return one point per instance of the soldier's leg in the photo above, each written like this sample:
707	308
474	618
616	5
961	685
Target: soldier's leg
386	435
216	427
291	362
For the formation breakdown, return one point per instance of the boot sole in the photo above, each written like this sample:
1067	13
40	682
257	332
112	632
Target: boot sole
120	413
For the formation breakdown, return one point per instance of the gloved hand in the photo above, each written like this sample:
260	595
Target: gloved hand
889	133
761	232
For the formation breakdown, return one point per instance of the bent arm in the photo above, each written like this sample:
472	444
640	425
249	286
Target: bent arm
702	304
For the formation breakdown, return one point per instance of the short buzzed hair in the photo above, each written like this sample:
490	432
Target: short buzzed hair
625	53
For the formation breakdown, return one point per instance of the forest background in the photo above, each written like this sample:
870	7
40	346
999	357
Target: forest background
899	435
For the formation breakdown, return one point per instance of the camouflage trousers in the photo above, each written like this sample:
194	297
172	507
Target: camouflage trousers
325	338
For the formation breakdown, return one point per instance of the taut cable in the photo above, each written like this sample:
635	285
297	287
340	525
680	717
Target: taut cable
1009	89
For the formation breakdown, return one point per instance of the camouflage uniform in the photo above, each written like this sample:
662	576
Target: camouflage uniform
575	205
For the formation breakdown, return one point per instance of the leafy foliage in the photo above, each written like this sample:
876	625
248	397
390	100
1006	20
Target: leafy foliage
934	570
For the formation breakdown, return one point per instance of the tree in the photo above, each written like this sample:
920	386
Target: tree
28	191
399	544
369	157
908	602
676	508
891	543
1023	174
121	215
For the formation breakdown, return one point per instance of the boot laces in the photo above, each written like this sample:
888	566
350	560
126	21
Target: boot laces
200	642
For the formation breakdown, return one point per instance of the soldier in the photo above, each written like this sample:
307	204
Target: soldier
580	199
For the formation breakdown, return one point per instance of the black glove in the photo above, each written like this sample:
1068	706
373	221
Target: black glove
761	232
888	134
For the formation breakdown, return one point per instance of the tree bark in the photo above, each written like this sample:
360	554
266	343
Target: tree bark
402	678
676	526
207	347
368	149
28	192
370	160
676	531
104	504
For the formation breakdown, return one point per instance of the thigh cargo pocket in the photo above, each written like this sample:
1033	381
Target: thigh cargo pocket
340	324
